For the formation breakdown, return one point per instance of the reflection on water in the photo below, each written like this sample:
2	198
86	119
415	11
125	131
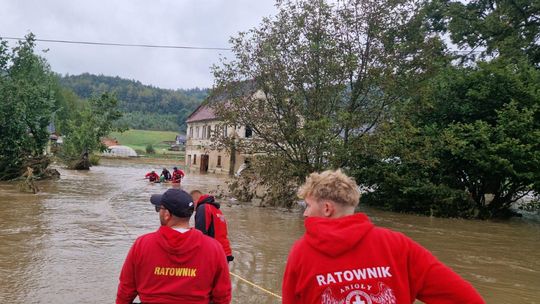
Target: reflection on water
67	244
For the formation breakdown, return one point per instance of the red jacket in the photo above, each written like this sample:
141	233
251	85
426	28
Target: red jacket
167	266
349	260
152	176
211	221
177	175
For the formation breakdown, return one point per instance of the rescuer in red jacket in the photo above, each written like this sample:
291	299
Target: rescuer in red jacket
152	176
344	258
177	175
210	220
176	263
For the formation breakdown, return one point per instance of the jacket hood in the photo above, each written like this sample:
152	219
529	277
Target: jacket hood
207	199
333	237
179	245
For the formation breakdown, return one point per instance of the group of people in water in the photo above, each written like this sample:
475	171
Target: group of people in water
166	176
342	257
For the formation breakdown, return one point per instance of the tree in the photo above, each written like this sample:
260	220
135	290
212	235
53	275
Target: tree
27	102
84	132
469	148
314	79
465	143
510	29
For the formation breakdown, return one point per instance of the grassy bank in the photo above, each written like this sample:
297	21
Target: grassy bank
139	139
143	137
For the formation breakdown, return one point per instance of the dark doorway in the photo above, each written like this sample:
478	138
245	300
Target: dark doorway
204	163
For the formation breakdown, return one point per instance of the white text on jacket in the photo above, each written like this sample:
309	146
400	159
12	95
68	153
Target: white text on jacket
353	275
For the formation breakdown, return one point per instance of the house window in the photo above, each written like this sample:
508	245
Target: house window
197	132
209	130
190	132
204	132
249	132
189	159
194	159
225	131
219	161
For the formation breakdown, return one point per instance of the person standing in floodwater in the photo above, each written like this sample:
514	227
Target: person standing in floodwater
177	175
152	176
344	258
210	220
165	175
175	264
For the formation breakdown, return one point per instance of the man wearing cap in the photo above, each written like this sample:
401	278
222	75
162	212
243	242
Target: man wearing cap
167	266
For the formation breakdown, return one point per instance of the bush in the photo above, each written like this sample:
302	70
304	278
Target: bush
259	181
150	149
94	159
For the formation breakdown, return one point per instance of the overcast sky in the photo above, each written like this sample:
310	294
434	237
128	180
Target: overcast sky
204	23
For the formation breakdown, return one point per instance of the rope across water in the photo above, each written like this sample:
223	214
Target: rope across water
255	285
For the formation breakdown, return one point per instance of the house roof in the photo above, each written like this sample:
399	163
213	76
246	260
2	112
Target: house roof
203	112
236	89
109	141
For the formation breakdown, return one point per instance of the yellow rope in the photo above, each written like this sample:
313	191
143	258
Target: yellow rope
121	222
254	285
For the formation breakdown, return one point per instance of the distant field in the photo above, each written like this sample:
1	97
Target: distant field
143	137
139	139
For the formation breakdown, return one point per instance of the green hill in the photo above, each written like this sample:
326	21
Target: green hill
144	107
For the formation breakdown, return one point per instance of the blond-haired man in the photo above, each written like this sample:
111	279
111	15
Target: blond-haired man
344	258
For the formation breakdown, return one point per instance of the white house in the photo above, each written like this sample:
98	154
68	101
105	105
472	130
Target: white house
201	154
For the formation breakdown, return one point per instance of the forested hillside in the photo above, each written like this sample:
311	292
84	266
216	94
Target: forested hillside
144	107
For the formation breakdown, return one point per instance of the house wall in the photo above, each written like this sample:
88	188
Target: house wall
199	143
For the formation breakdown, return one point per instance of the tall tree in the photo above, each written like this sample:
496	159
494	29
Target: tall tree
507	28
466	143
27	101
84	132
314	79
469	148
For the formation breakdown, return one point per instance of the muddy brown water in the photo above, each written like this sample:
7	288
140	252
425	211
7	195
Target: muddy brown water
67	243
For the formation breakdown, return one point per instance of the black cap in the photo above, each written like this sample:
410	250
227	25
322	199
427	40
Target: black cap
177	201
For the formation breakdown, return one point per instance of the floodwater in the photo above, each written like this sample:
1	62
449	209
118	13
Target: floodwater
67	243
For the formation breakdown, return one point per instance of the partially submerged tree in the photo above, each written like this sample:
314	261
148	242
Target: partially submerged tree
84	132
469	148
468	144
26	105
319	76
